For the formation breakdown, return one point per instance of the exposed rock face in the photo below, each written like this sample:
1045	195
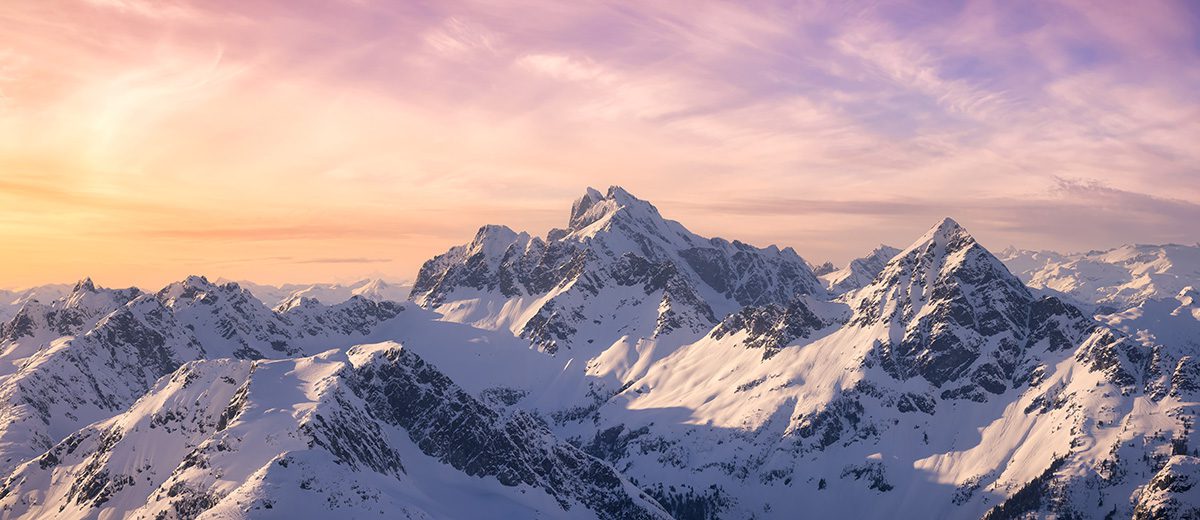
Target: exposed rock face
616	247
773	327
1172	493
967	324
517	449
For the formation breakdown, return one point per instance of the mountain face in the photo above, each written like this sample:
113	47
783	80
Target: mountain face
913	383
367	431
954	314
859	272
1113	280
1171	493
620	286
93	353
670	376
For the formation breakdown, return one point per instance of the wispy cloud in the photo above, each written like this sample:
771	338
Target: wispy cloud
391	130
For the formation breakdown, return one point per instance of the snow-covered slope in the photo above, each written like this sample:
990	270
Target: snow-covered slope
12	300
373	430
1169	321
1172	492
615	291
36	324
859	272
328	293
1115	279
93	353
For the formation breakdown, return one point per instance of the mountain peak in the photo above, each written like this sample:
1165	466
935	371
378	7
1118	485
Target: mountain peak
581	206
619	194
192	287
947	227
884	250
945	233
492	240
84	285
594	206
495	232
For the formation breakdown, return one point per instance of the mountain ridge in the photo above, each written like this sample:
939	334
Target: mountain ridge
619	366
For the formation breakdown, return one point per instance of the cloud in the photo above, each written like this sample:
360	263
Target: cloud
340	126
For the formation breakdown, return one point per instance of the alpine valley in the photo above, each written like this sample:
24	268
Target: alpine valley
621	367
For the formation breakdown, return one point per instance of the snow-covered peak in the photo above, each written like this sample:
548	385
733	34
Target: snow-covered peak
194	286
954	310
198	289
327	293
593	215
92	301
944	250
945	232
84	285
374	289
580	208
296	302
619	249
860	271
491	241
1114	279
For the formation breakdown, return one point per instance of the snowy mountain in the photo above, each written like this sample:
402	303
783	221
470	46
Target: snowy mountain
93	353
328	293
12	300
618	289
373	430
1168	321
621	367
859	272
914	394
942	371
1116	279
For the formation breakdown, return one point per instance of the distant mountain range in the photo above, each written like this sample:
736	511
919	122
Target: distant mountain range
620	367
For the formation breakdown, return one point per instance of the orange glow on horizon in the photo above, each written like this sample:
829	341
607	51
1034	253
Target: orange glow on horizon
144	141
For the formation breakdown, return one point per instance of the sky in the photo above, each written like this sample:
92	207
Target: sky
305	141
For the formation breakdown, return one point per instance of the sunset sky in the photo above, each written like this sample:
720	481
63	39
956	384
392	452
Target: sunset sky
141	141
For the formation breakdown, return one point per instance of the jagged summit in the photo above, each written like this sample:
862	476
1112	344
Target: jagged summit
581	206
193	287
964	317
85	284
614	240
619	211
